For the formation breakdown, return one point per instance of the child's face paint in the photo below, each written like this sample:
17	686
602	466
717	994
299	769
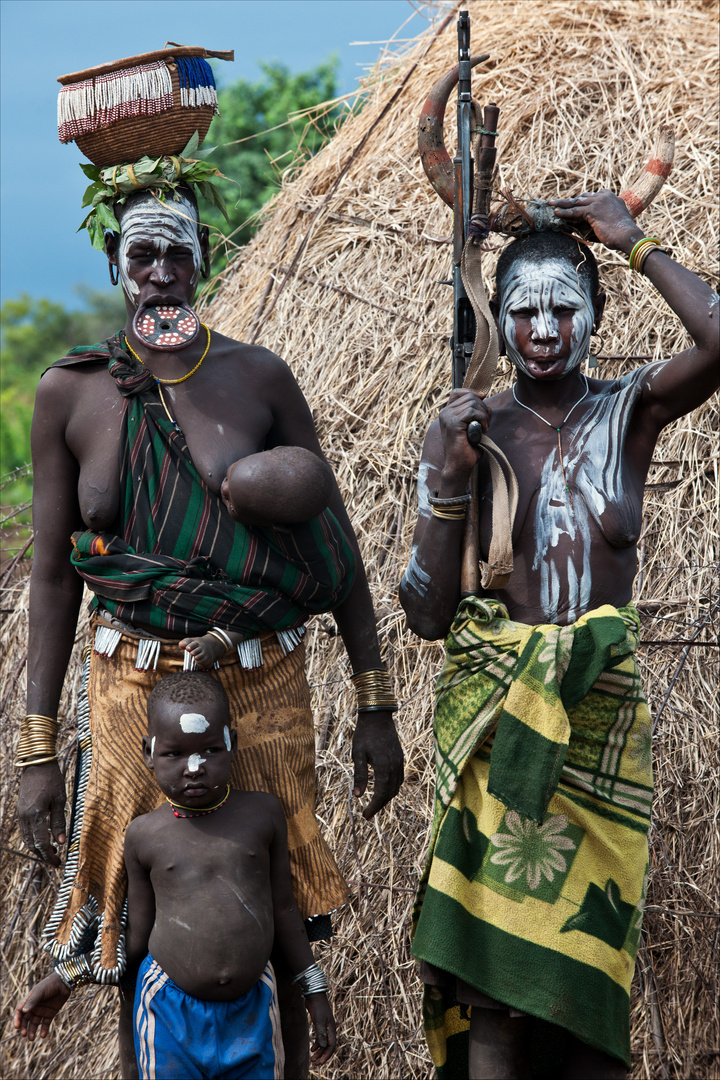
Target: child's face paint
191	752
546	317
193	721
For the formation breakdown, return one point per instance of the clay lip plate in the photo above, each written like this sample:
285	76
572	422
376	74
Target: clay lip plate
167	327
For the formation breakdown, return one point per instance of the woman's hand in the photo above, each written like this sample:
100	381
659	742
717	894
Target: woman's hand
460	456
375	743
36	1013
606	213
41	809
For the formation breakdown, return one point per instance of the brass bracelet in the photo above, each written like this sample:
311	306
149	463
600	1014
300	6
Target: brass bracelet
373	690
449	514
38	740
640	252
37	761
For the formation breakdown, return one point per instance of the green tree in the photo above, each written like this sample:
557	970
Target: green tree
35	333
255	143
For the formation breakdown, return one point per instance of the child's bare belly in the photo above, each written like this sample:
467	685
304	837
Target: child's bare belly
213	931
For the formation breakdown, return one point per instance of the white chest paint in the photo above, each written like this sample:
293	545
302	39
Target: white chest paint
593	452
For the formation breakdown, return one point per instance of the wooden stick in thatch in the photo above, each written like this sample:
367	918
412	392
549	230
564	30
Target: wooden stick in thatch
582	87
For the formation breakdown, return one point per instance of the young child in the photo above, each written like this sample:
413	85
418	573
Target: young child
283	486
209	893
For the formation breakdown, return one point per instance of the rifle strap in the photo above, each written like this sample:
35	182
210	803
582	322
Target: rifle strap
480	374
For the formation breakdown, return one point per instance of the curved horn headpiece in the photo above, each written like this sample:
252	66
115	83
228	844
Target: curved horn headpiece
431	144
640	194
517	217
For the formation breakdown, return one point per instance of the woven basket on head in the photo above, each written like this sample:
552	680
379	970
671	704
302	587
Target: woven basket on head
168	132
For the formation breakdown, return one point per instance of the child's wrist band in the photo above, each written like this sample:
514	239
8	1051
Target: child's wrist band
312	980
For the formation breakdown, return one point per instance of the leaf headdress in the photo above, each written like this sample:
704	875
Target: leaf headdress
162	175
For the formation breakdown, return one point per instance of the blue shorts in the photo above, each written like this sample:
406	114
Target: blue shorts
179	1037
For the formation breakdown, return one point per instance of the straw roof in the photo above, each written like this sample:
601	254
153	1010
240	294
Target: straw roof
342	281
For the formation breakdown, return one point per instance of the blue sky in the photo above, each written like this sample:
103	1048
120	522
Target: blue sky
42	184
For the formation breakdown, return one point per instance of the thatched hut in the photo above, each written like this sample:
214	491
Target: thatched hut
342	281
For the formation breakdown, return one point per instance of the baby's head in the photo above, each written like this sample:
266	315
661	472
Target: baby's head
190	745
282	486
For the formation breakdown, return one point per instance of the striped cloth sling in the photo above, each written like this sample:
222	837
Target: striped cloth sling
182	564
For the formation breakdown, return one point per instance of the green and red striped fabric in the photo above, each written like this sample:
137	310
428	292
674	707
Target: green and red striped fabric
182	564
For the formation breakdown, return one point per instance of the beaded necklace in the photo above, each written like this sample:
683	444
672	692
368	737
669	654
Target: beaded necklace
174	382
198	813
558	429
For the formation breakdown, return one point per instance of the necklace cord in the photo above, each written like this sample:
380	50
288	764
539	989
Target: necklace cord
203	809
173	382
557	429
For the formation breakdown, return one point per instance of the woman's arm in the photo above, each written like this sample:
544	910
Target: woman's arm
683	382
55	595
375	742
430	587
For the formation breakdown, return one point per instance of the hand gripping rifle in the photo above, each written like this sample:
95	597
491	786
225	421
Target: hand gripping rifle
466	185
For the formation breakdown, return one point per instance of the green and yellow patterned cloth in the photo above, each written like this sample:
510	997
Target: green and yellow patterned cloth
534	886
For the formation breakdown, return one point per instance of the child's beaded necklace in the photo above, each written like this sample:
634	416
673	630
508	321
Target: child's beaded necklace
198	813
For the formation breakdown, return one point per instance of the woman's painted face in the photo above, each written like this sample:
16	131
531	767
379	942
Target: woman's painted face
159	248
546	317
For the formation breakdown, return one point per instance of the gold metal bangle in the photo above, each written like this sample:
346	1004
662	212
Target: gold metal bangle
641	250
373	690
40	716
458	514
38	761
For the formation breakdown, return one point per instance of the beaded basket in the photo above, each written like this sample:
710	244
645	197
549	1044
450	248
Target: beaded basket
151	104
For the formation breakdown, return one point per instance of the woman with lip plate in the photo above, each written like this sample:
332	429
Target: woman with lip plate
530	907
130	449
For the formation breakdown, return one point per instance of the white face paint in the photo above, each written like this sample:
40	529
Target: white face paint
152	747
226	737
194	722
194	762
543	287
165	224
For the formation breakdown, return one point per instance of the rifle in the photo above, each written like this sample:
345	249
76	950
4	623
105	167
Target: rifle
466	185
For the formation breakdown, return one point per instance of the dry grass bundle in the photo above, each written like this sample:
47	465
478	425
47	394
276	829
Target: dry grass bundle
342	282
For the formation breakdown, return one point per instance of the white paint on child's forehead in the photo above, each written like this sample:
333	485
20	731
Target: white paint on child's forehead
194	762
193	722
164	224
226	737
152	747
